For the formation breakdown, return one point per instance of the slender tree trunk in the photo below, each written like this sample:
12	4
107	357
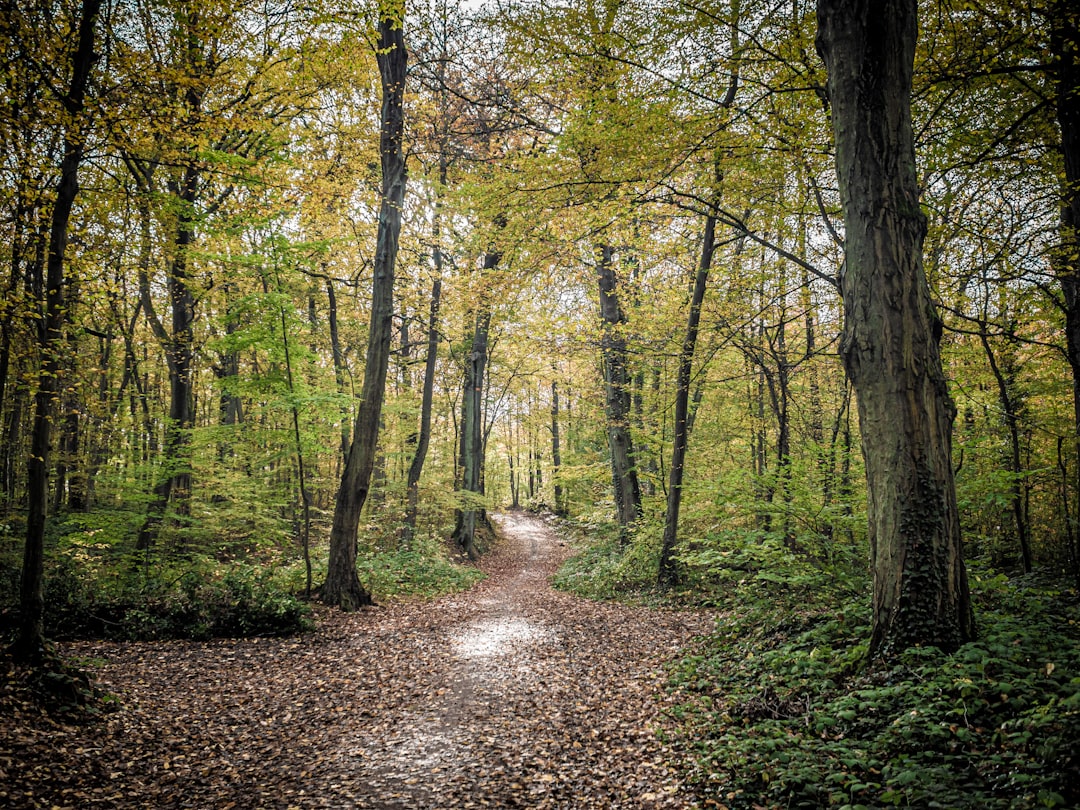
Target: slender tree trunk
29	643
298	449
668	574
472	424
617	396
891	331
179	344
423	437
556	451
1010	409
342	586
339	364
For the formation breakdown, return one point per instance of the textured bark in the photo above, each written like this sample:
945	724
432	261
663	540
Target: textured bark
29	643
342	586
1065	45
617	395
891	331
668	574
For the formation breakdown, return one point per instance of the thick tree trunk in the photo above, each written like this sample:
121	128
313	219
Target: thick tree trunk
1065	45
617	396
30	641
891	331
668	574
342	586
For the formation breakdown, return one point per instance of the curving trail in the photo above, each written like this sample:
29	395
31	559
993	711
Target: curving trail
508	695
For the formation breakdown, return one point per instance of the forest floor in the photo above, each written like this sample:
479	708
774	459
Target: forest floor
508	695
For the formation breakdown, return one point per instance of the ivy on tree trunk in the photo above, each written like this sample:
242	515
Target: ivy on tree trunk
892	331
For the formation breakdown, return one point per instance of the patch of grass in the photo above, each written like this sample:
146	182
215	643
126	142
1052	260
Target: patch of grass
781	709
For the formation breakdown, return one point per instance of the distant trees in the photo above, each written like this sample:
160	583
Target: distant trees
252	289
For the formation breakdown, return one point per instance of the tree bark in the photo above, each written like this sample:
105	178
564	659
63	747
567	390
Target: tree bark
556	452
891	331
29	643
472	424
423	437
339	363
1065	47
342	586
179	347
668	574
617	396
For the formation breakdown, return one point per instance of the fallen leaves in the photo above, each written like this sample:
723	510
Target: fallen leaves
509	695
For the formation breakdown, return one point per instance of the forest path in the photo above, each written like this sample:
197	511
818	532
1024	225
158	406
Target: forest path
508	695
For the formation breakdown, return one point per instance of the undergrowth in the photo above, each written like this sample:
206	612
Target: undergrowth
96	587
780	708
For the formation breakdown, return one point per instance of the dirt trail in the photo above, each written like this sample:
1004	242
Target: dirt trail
509	695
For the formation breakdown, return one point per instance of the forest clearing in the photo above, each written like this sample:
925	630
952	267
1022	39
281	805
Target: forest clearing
771	309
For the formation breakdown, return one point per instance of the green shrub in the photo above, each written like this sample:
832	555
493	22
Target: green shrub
781	709
208	600
423	570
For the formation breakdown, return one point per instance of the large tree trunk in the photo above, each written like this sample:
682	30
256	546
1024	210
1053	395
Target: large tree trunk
891	331
342	586
29	643
1065	44
668	574
617	396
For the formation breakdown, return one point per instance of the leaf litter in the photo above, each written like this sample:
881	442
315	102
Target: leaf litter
510	695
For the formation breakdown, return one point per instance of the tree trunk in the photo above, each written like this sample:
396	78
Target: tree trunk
891	331
668	574
423	437
29	643
556	451
617	396
342	586
179	345
339	363
1011	407
1066	54
472	424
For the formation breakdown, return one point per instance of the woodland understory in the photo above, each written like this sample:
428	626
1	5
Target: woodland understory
771	310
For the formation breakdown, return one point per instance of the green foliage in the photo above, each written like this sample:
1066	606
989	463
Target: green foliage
205	601
422	570
782	709
95	587
606	568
